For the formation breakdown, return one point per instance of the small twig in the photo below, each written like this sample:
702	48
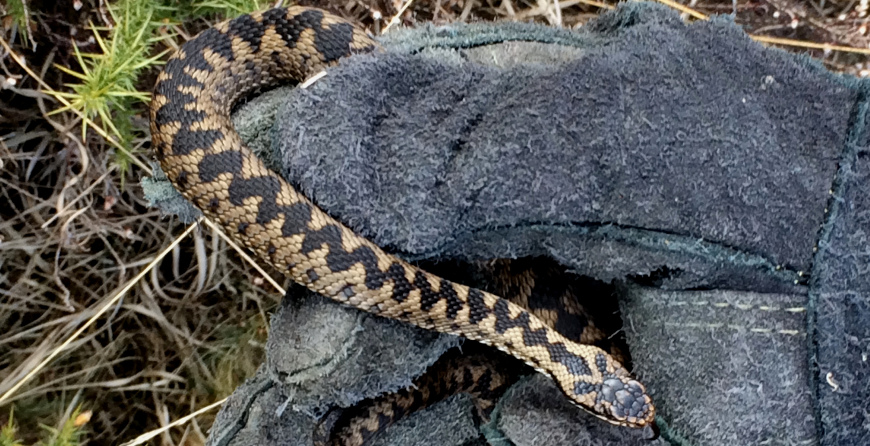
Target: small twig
590	3
506	4
557	11
466	11
685	9
398	15
311	80
805	44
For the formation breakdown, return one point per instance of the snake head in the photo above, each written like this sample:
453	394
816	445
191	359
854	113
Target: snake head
611	394
623	401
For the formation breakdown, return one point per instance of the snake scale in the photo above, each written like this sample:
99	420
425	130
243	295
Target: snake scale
539	285
206	160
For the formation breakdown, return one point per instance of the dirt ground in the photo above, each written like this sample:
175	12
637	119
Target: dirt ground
75	230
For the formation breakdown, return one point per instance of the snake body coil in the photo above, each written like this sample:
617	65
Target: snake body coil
204	157
539	285
484	377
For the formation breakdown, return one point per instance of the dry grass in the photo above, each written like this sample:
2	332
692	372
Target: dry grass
74	229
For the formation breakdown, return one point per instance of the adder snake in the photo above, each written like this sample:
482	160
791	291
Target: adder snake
205	158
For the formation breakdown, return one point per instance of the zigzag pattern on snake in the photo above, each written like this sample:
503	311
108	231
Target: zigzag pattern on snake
481	375
204	157
539	285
